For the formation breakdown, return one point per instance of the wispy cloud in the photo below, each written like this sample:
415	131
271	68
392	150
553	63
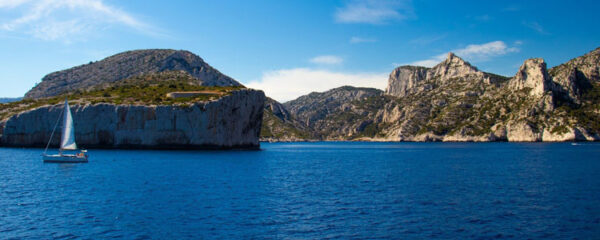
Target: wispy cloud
66	20
287	84
11	3
536	27
327	59
362	40
374	11
473	52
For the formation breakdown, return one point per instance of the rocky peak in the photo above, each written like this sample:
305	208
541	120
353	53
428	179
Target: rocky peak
406	80
533	75
452	67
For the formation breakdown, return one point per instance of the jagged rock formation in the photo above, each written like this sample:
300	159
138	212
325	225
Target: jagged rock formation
125	65
233	121
454	101
406	80
534	76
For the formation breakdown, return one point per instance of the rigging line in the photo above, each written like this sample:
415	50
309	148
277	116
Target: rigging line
55	125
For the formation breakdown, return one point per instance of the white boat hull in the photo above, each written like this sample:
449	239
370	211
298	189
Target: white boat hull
65	158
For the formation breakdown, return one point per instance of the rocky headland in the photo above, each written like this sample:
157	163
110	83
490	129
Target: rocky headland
127	101
233	121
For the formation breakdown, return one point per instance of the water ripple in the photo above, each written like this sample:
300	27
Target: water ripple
308	191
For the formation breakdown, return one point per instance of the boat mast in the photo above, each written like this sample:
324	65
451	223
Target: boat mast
53	130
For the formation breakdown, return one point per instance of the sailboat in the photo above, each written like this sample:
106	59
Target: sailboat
67	142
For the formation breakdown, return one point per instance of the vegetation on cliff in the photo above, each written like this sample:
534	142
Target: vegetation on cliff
126	65
148	89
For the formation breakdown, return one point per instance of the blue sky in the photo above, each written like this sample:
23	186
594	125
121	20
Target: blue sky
290	48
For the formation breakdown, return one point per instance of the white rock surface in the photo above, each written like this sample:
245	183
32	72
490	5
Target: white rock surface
533	75
405	80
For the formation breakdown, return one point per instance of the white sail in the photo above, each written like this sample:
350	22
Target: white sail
67	141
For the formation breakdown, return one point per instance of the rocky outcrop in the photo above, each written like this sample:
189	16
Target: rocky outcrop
406	80
532	75
233	121
452	67
125	65
278	110
280	125
578	75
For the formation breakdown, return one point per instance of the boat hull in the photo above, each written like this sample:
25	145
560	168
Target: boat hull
65	158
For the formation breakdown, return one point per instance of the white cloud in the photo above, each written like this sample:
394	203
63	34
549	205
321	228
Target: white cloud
327	59
473	52
11	3
362	40
288	84
66	19
485	50
374	11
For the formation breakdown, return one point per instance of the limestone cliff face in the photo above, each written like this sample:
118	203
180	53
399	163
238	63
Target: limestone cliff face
407	80
533	75
578	75
404	79
125	65
233	121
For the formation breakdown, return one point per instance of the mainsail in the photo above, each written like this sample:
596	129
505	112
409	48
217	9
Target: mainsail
67	141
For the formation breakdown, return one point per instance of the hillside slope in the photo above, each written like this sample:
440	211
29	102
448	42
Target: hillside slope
125	65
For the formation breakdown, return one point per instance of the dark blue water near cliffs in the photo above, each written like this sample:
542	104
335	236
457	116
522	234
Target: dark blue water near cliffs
308	191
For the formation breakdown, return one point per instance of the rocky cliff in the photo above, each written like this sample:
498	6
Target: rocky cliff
232	121
406	80
280	125
454	101
331	115
125	65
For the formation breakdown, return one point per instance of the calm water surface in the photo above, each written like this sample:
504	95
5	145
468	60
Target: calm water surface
308	191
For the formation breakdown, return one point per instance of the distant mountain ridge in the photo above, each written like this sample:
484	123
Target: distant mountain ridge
125	65
454	101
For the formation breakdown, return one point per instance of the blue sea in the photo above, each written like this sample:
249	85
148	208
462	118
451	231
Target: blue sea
323	190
